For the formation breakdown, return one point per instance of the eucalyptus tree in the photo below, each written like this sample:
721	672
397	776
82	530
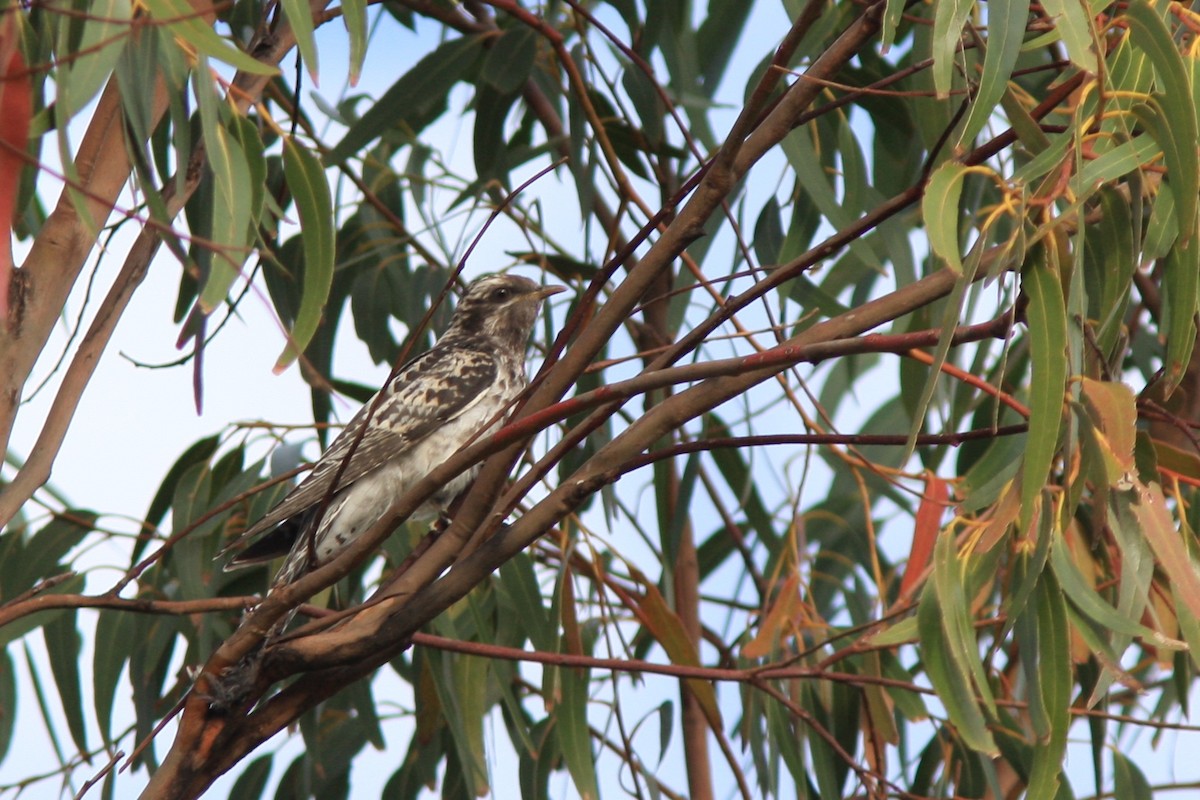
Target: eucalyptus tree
860	460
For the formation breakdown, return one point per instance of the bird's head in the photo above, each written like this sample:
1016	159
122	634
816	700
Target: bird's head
502	307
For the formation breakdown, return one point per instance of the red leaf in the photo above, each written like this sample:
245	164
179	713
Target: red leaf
925	531
16	109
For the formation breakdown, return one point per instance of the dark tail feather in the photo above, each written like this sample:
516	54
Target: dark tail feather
275	543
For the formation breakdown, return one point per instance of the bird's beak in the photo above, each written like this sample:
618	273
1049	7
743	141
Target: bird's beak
544	292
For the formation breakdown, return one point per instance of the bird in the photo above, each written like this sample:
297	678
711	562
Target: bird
437	403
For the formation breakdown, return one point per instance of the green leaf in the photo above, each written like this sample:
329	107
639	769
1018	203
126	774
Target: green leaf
856	191
939	209
1116	162
104	37
299	16
231	215
510	60
1181	288
137	72
253	780
251	142
952	684
197	453
418	98
718	36
39	692
1179	132
1163	228
949	18
1073	24
1054	681
1047	317
373	305
63	645
462	686
893	13
955	611
518	582
801	151
1030	134
574	738
1092	605
107	664
902	632
42	557
231	197
1110	266
181	19
310	190
1006	30
1129	783
768	233
666	727
354	15
8	702
489	135
647	104
1161	120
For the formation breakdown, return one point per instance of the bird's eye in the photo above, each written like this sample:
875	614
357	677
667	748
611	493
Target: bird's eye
501	294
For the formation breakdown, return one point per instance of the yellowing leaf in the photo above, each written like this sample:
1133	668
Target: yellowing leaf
1164	538
1111	407
778	621
667	629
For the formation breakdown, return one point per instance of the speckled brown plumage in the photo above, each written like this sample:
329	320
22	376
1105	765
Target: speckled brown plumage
438	402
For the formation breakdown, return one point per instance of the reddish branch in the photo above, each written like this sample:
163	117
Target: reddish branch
15	610
757	675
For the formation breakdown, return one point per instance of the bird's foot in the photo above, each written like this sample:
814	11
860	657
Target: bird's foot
234	685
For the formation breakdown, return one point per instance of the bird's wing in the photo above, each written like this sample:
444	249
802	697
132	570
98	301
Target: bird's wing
431	390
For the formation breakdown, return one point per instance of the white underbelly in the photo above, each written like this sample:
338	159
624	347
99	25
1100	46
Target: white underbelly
358	507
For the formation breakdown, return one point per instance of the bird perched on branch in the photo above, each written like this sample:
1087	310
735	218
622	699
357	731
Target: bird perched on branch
437	403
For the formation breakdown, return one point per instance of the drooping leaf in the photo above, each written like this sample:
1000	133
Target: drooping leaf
181	18
63	645
231	198
253	779
108	662
1074	24
1006	31
926	527
948	21
1162	533
100	44
310	190
299	15
1048	341
8	702
939	208
510	60
1054	680
574	739
1180	130
952	682
417	98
